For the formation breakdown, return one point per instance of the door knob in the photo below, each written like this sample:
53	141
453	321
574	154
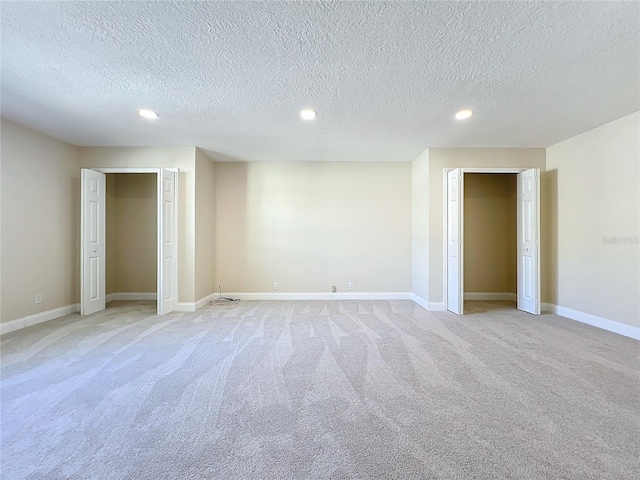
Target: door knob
526	249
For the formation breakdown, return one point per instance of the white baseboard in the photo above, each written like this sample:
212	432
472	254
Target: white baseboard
593	320
204	301
420	301
36	318
185	307
321	296
131	296
193	306
437	307
490	296
431	306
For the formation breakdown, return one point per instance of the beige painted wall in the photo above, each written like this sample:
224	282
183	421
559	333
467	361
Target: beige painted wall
311	225
490	233
512	246
205	226
420	225
131	252
40	221
167	157
440	158
111	234
593	193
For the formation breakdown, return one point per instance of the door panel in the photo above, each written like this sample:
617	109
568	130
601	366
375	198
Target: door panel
167	242
455	215
92	256
529	241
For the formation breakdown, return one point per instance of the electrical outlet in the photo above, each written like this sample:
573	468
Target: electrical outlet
350	285
334	289
38	298
275	286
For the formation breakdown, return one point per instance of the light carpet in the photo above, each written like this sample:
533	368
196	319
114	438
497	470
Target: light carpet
319	389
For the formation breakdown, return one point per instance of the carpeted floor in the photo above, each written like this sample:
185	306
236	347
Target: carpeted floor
339	389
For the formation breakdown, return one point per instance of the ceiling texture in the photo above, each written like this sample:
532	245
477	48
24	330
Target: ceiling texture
385	77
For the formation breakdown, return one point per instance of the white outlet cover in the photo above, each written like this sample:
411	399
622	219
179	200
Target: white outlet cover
350	285
275	286
38	298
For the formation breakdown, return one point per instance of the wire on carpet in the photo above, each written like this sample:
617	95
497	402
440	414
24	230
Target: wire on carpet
223	300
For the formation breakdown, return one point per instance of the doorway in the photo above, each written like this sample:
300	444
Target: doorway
131	247
504	204
94	238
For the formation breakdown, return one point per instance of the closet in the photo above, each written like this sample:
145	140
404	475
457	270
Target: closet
490	242
131	224
479	242
129	215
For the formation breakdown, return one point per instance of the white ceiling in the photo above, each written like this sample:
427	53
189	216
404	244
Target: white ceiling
385	77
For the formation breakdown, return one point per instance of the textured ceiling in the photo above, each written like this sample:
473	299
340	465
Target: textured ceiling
385	77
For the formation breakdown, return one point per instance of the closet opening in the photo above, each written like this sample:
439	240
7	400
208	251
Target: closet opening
131	247
492	239
490	242
129	237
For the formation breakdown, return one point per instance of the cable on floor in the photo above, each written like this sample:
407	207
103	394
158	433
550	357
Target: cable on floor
223	300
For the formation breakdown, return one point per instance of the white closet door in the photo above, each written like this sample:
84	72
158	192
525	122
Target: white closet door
92	228
529	241
167	242
455	223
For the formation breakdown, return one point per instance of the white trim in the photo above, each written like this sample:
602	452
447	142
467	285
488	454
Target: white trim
37	318
185	307
164	306
131	296
445	170
420	301
322	296
430	306
490	296
204	301
157	171
12	326
197	305
193	306
437	307
445	226
630	331
494	170
133	170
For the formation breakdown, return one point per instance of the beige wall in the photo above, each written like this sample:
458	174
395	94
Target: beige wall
593	192
167	157
111	234
40	218
205	226
512	245
311	225
131	252
308	226
420	225
440	158
490	233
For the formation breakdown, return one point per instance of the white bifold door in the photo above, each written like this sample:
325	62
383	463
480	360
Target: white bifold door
93	238
93	228
167	242
529	241
455	235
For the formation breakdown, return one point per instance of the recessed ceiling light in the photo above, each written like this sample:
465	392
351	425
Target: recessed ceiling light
308	114
463	114
146	113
